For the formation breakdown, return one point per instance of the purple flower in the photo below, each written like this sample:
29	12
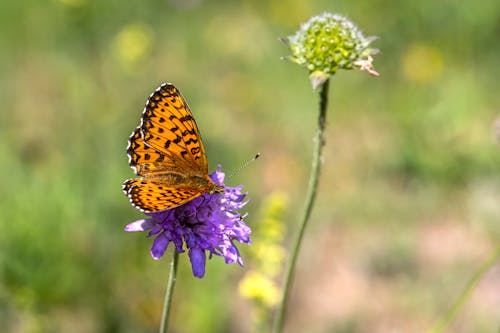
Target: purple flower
210	223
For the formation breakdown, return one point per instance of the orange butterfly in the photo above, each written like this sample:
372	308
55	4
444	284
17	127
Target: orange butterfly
167	152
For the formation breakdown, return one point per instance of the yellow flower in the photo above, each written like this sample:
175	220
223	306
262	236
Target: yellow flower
259	288
132	44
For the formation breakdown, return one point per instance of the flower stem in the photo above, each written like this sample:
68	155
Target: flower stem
311	196
169	293
464	296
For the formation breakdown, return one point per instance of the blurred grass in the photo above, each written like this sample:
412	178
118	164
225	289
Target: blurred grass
411	159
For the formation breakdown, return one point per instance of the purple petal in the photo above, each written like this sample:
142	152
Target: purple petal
242	233
155	229
197	258
231	255
159	247
218	176
139	225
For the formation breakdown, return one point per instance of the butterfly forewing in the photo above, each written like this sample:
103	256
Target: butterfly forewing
144	159
169	127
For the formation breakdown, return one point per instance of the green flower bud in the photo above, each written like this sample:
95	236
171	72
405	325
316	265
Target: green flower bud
329	42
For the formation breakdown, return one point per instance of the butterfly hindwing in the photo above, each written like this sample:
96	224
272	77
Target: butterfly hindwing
150	196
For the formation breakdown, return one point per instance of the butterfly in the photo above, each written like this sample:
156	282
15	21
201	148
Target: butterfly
167	152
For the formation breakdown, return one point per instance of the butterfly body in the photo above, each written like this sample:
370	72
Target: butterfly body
166	150
199	182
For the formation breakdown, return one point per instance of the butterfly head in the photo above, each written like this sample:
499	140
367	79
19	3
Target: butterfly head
216	189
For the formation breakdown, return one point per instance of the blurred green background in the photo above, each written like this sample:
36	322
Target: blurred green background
409	199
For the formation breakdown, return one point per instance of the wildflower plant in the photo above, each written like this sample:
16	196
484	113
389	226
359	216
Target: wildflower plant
266	259
186	206
323	45
207	225
327	43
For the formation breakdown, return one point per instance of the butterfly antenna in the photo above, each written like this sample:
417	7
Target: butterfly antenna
232	174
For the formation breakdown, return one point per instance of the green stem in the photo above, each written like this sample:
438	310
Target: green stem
311	196
169	293
464	296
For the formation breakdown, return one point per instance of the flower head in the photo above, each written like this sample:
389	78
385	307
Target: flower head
329	42
209	223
